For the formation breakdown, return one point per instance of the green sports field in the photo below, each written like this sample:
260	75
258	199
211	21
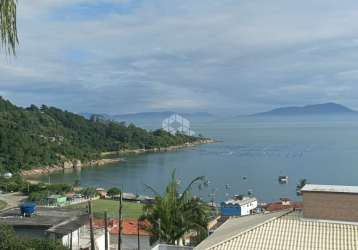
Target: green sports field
129	209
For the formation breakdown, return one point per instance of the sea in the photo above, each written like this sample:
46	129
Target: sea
249	155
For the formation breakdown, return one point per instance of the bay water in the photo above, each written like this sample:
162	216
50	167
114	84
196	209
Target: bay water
250	154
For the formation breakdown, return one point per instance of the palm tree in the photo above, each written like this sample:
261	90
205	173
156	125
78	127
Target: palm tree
300	185
172	215
8	27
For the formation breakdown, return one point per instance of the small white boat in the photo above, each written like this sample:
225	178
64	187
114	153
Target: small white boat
283	179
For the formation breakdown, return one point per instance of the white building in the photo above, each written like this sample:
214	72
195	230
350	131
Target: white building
238	206
69	226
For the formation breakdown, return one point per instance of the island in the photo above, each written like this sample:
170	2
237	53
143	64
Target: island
316	109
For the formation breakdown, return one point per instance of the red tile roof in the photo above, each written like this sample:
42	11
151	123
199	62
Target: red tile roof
98	223
276	206
129	227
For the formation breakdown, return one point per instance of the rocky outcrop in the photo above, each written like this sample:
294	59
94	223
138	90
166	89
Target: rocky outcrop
67	165
163	149
75	164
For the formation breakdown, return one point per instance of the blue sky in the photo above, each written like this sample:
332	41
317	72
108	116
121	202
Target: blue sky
228	56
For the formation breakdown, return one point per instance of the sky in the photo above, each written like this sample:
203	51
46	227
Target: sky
223	57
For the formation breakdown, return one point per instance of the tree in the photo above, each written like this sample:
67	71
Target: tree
300	185
174	214
9	241
48	136
8	26
113	191
43	245
88	192
8	238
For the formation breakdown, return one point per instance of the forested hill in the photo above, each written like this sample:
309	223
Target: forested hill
33	137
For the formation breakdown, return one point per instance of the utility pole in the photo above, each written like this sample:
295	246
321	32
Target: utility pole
71	241
138	237
120	222
159	225
91	225
105	230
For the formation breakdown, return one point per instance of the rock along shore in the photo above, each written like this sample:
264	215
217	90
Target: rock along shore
163	149
77	164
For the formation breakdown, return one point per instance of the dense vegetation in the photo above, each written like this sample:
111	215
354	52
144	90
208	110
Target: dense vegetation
9	241
33	137
36	192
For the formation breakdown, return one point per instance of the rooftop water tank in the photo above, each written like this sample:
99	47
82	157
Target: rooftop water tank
28	209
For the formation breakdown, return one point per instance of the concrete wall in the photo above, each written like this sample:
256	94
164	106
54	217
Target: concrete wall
130	242
66	240
330	206
30	233
246	209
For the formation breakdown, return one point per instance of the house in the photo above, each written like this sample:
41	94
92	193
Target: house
238	206
69	226
283	204
130	234
170	247
281	230
56	200
101	192
145	199
130	197
328	220
126	197
330	202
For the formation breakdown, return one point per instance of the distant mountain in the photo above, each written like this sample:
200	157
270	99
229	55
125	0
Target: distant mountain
159	114
150	120
317	109
146	115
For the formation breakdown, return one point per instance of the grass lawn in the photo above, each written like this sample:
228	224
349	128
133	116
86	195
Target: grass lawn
2	204
129	209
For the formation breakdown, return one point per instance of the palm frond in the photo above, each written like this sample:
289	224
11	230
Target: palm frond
188	188
8	25
178	213
155	192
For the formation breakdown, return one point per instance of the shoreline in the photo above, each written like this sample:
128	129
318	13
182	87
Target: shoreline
74	164
158	150
77	164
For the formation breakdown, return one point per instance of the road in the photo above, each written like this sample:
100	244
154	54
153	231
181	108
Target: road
12	199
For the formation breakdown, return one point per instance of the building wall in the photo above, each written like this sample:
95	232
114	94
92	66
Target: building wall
237	210
230	210
246	209
130	242
30	233
330	206
66	240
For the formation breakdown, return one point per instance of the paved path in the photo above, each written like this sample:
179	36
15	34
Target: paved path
12	199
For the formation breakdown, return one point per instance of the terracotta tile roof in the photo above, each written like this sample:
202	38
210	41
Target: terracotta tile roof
129	227
277	206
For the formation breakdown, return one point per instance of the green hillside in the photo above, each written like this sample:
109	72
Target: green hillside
33	137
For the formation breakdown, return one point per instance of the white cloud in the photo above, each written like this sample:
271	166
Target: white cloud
224	55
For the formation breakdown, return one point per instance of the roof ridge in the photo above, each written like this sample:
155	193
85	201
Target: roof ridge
252	228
